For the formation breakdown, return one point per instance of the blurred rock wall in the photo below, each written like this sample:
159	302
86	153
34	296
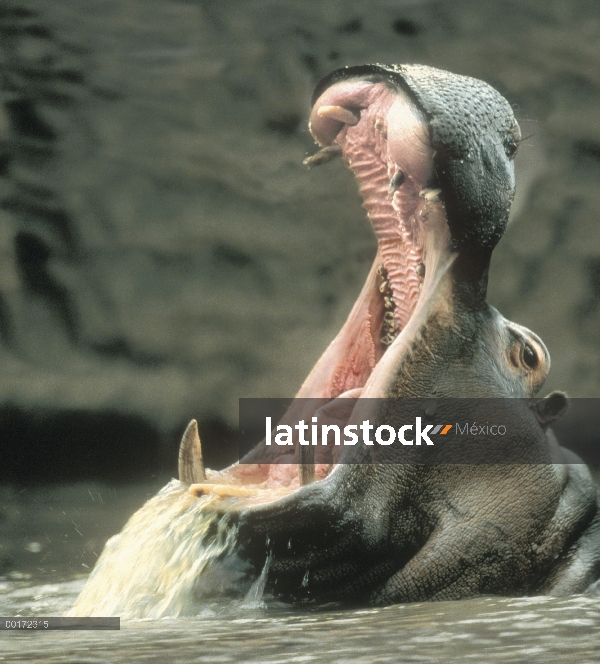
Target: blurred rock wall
163	250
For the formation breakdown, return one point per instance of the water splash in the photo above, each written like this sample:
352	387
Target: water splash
304	583
173	551
254	597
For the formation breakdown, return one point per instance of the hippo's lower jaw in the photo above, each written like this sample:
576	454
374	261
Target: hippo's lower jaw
416	283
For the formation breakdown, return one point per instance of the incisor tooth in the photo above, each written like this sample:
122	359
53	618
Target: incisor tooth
339	113
380	126
323	156
396	181
431	194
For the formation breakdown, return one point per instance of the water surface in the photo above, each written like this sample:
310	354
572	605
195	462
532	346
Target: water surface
46	579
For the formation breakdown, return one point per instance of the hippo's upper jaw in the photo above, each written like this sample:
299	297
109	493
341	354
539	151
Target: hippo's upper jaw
470	128
432	155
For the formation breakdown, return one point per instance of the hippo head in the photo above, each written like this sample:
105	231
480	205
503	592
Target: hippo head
432	154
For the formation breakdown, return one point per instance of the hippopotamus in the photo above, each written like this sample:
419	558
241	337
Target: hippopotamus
432	153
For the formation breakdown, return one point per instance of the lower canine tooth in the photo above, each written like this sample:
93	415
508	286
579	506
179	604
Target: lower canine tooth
191	467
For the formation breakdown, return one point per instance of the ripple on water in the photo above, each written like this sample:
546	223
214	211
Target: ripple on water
559	631
489	629
50	599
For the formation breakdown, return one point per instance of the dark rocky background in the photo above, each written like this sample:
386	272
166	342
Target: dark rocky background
163	250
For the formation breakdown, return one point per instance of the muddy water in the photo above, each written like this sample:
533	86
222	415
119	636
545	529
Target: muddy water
50	535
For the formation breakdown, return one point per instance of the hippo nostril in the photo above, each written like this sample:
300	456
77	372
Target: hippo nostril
530	357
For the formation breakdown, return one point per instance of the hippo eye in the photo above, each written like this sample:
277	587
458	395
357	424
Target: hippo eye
525	356
530	357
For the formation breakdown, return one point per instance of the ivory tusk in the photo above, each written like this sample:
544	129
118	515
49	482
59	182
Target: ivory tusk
191	467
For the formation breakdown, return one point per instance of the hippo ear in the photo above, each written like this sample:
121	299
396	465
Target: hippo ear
550	408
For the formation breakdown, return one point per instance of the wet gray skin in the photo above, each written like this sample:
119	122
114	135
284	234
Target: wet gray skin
381	533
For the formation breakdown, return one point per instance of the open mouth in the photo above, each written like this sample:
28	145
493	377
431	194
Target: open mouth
384	138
